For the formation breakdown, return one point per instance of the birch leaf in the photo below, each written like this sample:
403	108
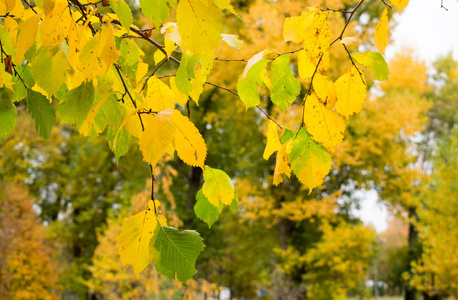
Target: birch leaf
351	93
381	32
218	187
309	160
325	126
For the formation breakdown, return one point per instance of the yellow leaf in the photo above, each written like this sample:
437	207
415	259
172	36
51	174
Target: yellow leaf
273	141
158	95
325	90
158	56
77	39
351	93
7	6
91	65
85	128
325	126
282	163
199	25
126	119
201	73
56	26
189	143
171	32
26	37
381	32
169	46
157	137
294	28
134	239
317	37
218	187
400	4
180	97
305	65
108	53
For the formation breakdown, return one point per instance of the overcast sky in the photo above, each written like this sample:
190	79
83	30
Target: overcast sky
431	31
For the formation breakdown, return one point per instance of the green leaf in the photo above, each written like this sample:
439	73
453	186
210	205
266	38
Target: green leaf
185	72
76	104
310	161
42	112
205	210
218	186
285	87
122	143
235	203
8	115
129	52
248	86
49	72
287	135
156	10
174	252
123	11
375	62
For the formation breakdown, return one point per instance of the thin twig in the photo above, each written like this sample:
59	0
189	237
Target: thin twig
386	4
155	70
235	94
346	23
308	93
336	10
153	180
228	59
126	89
353	63
30	6
166	76
442	5
189	110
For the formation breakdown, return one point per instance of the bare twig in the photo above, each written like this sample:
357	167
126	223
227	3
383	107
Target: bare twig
346	23
155	70
235	94
126	89
353	63
386	4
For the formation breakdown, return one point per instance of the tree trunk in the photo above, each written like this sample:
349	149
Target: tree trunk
413	252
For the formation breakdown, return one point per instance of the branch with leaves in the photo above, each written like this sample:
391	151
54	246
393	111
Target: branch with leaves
71	62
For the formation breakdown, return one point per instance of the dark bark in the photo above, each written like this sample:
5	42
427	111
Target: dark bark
413	252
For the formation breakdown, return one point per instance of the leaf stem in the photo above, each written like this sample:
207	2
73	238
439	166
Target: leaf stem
126	89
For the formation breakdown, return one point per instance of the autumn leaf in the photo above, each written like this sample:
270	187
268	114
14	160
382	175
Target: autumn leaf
381	32
325	90
205	210
189	144
324	125
375	62
157	137
351	93
134	239
199	24
218	187
309	160
285	87
273	141
282	163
